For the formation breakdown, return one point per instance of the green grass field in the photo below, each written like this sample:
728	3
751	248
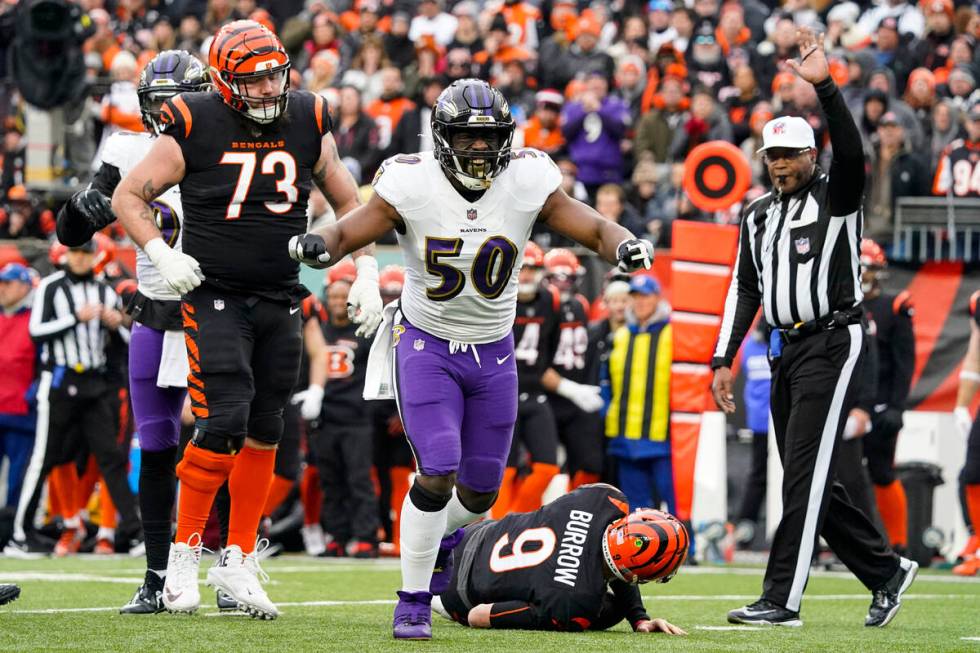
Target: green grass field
345	606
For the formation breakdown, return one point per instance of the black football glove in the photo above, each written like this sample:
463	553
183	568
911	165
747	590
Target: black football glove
94	207
309	249
634	254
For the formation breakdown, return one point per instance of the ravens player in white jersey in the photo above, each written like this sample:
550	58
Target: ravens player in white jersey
463	214
157	355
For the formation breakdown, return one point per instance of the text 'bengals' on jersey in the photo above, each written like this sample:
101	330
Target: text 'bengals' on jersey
245	186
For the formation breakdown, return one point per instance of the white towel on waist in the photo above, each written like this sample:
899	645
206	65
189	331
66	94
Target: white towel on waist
378	379
173	361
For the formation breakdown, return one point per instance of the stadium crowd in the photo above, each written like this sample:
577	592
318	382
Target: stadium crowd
618	93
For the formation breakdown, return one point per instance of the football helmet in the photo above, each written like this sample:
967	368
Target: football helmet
391	281
563	270
243	54
645	545
473	107
532	270
167	74
533	255
872	255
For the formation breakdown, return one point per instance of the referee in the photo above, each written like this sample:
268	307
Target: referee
798	257
73	316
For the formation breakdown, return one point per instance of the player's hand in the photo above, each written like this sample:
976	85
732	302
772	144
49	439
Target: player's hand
584	396
659	626
94	207
634	254
309	249
364	304
88	312
721	389
812	65
858	424
181	271
964	421
311	402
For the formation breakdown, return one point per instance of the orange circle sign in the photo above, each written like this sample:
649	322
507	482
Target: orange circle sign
716	175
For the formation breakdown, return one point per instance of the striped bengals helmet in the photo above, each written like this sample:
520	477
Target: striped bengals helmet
645	545
872	255
343	271
391	281
533	255
243	54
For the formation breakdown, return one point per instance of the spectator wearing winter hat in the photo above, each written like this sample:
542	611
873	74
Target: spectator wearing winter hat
499	49
890	52
770	56
782	90
960	86
897	170
732	33
657	127
582	56
467	36
706	122
705	61
841	24
932	50
542	130
920	96
876	104
631	79
661	30
398	46
946	128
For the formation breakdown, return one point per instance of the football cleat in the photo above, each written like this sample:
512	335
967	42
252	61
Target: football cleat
104	547
69	542
313	540
224	602
887	600
362	549
145	601
413	616
970	549
180	590
765	613
21	551
334	549
442	574
8	593
238	575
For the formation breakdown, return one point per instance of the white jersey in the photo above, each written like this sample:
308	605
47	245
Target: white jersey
124	150
462	258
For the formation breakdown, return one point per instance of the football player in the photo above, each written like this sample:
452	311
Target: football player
463	213
970	429
157	356
573	565
245	158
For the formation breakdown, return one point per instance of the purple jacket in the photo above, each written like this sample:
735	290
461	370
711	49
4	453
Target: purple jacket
593	140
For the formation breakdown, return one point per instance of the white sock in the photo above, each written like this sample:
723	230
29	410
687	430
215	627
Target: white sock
72	522
421	533
106	534
458	515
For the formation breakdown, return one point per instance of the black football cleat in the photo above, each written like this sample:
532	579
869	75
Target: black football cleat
8	593
765	613
887	600
147	600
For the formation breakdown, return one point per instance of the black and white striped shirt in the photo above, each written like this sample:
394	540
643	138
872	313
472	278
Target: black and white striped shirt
798	254
66	342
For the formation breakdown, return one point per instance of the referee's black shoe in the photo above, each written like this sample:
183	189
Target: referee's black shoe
765	613
887	599
8	593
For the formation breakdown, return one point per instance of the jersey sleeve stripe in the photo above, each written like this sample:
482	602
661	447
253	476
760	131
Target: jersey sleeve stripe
185	112
318	111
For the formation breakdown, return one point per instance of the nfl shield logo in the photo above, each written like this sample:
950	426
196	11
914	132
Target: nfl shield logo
419	345
219	304
778	128
471	214
802	245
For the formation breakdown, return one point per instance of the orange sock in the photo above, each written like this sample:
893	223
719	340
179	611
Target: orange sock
201	473
505	495
106	507
399	488
62	484
86	484
894	511
973	505
281	487
311	495
249	485
583	478
529	498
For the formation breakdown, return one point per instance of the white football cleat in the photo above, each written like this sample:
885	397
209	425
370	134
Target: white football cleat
180	590
313	540
237	575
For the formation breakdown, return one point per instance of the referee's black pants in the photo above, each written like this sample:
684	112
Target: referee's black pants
813	388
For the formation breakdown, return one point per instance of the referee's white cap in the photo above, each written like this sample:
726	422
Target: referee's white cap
789	131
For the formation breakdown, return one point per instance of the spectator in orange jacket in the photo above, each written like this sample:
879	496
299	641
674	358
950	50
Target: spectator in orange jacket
387	110
542	131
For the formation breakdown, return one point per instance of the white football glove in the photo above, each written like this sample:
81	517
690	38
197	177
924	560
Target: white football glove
584	396
964	422
311	402
634	254
181	271
364	305
309	249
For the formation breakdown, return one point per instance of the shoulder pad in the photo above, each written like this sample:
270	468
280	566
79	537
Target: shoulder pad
584	303
902	304
118	150
316	105
534	177
177	118
401	178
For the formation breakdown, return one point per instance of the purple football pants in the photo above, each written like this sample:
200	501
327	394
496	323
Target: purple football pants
156	410
458	409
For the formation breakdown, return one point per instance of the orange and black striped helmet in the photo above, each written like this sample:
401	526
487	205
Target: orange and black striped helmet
250	69
533	255
645	545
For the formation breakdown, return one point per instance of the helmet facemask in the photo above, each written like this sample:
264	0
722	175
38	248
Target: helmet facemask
261	109
475	169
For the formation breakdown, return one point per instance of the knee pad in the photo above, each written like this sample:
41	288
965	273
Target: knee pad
227	420
220	444
481	475
426	500
266	428
204	470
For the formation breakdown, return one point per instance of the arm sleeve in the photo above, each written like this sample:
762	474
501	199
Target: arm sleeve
847	168
742	302
106	179
903	352
44	325
615	116
518	615
572	120
628	602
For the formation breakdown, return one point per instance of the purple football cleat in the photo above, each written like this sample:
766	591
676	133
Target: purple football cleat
413	616
443	572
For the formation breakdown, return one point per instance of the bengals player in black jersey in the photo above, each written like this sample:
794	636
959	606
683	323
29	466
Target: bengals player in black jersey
245	158
572	565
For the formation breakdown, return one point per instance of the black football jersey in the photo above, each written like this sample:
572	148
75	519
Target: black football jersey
572	352
550	558
347	356
535	338
891	315
246	186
